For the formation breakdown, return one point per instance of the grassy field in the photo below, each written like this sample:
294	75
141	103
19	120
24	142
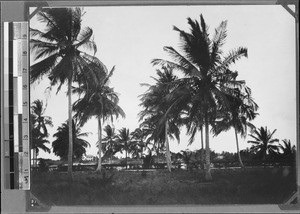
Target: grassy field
230	186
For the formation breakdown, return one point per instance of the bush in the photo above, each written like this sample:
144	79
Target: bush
43	167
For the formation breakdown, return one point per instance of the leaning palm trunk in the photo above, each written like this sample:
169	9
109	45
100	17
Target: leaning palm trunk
208	176
168	155
99	144
70	152
238	150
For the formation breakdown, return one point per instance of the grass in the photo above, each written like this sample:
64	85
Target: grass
230	186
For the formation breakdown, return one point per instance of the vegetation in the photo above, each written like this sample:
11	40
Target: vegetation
58	52
264	142
205	97
208	79
60	146
39	133
242	109
181	187
99	100
39	123
156	103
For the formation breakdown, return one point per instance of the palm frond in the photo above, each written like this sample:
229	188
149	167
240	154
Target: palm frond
43	67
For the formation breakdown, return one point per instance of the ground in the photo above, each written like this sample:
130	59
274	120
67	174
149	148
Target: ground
159	187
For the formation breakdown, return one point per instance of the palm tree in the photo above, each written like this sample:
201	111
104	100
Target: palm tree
61	146
124	139
242	109
264	142
58	52
288	151
186	157
99	100
109	142
138	143
206	72
156	102
39	123
287	148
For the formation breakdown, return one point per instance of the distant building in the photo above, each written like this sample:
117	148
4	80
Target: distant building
89	158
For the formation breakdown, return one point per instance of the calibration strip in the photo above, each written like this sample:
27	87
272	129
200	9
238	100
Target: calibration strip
16	106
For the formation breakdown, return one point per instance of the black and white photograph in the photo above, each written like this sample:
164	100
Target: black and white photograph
163	105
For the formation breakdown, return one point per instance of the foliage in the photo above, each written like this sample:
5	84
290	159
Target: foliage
59	48
156	102
242	109
43	166
60	145
287	152
110	146
124	142
99	101
58	52
207	77
39	123
148	161
155	115
264	142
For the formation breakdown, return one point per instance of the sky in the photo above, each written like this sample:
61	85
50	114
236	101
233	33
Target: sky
129	37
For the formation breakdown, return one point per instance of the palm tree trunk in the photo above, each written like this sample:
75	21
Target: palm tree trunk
126	156
70	152
168	156
99	144
208	176
202	148
34	158
238	150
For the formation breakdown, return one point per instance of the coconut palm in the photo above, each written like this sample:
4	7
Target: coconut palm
99	100
156	102
58	53
186	157
60	145
206	72
287	148
124	140
264	142
109	147
242	109
288	152
39	123
138	143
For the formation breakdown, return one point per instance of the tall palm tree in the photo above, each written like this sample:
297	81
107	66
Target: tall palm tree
242	109
109	142
206	72
99	100
156	102
61	146
39	123
58	51
124	139
138	142
264	142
